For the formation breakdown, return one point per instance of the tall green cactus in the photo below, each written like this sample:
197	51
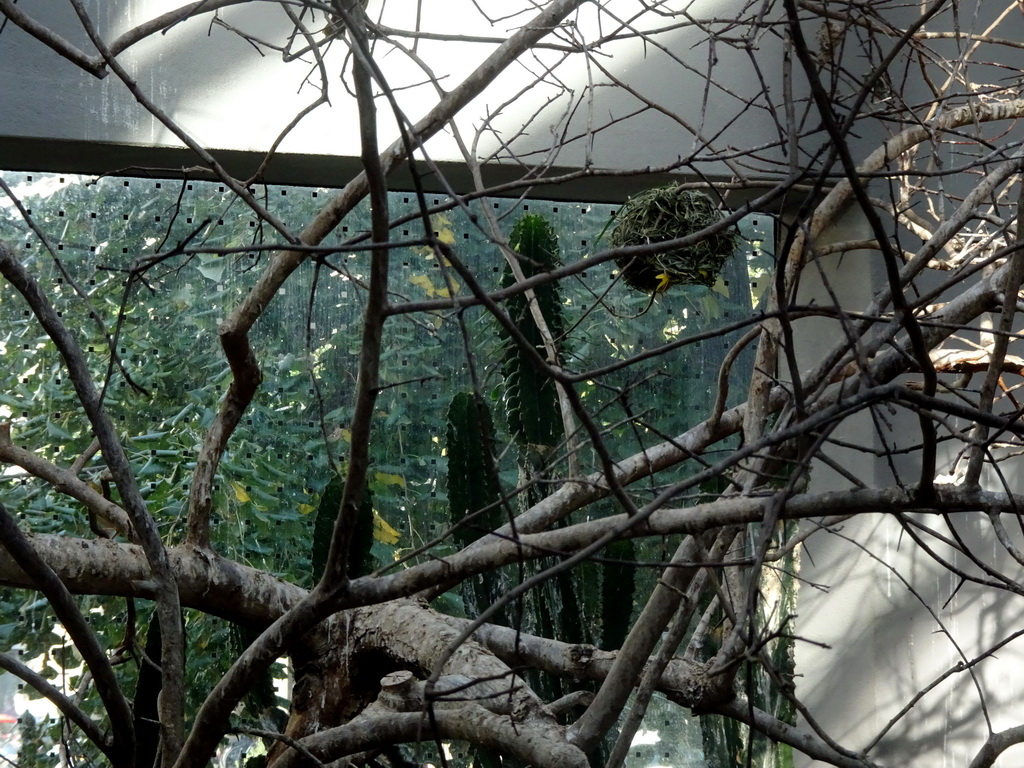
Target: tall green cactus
534	417
531	402
618	584
360	560
473	495
571	606
592	603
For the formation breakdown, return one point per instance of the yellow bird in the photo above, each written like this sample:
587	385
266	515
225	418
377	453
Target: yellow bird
664	281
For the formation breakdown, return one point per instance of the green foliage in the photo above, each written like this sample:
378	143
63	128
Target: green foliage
35	743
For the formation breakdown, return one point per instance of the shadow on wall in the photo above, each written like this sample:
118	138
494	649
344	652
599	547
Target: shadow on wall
895	608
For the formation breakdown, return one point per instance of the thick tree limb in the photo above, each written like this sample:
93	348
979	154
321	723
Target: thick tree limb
205	581
468	723
683	681
225	588
424	638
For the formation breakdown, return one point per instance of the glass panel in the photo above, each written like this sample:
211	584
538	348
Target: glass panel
203	251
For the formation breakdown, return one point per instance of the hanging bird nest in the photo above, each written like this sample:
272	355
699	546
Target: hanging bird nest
667	213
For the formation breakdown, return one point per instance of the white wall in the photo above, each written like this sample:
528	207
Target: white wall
230	98
880	620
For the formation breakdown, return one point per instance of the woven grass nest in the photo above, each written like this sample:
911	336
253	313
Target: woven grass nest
667	213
